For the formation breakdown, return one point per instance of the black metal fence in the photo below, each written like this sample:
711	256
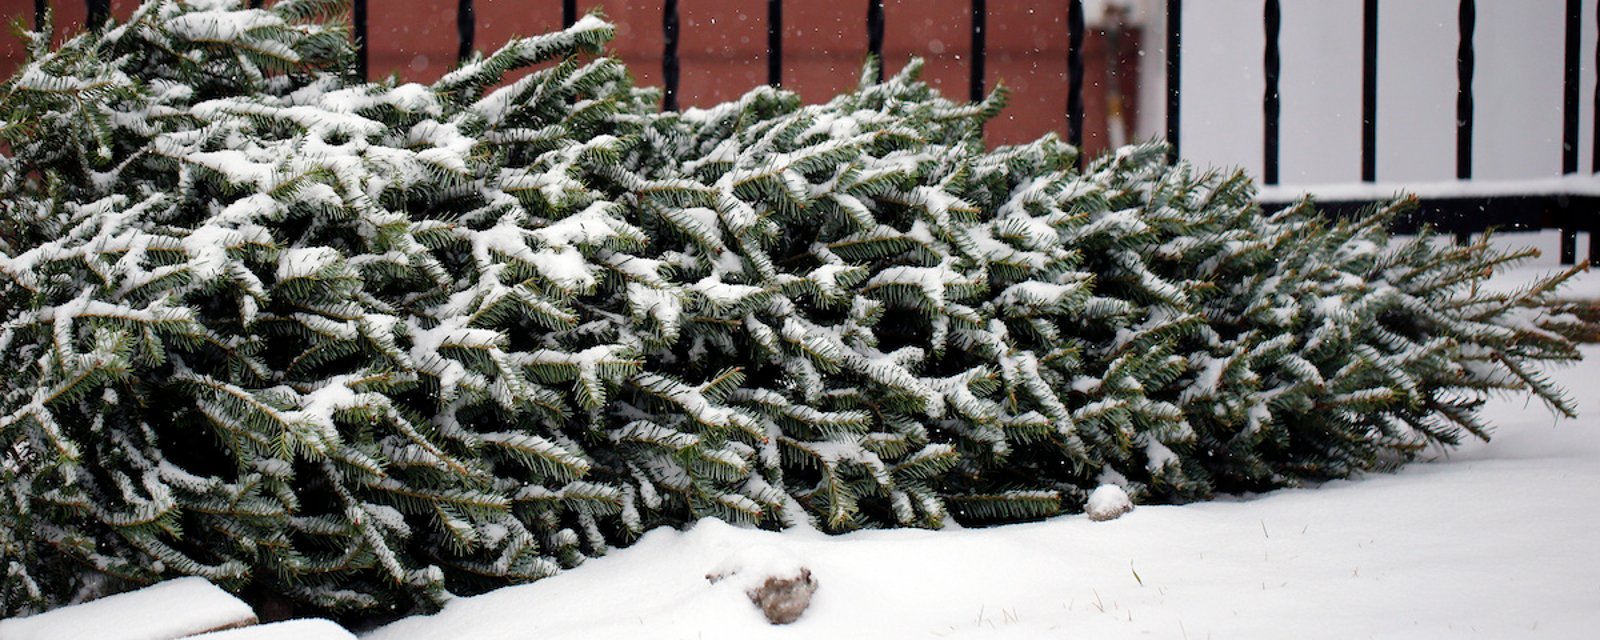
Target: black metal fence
1459	215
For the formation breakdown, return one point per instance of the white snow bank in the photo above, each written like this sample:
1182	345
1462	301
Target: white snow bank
310	629
172	609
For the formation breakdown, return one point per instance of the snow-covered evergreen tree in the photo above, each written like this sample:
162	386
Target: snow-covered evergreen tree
366	345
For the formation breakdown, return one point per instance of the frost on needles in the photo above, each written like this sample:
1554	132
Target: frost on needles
362	346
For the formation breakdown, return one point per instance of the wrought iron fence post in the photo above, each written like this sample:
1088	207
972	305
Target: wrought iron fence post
775	42
1594	166
358	15
1569	120
1075	35
466	29
1174	77
98	11
1465	63
669	55
980	22
1369	91
1272	15
1569	87
875	33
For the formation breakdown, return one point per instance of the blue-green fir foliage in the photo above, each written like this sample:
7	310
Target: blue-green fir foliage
365	346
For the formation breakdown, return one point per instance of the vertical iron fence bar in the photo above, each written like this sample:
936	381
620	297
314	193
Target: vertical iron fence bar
1174	75
1569	88
1369	91
1272	14
980	27
775	42
669	55
1075	36
569	13
358	15
466	29
1594	164
41	7
1569	114
1465	63
875	33
98	11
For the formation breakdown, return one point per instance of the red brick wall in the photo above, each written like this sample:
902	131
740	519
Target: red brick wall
722	48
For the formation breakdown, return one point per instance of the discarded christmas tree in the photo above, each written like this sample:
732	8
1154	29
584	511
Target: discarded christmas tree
366	345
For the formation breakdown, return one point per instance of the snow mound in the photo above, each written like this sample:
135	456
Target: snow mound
172	609
1108	502
750	566
309	629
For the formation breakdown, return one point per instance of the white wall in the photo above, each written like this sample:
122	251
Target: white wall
1417	41
1517	88
1223	83
1320	123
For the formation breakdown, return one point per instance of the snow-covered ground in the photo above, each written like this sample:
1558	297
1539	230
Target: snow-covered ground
172	609
1493	540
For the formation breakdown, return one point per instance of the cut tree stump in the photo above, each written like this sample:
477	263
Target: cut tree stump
166	611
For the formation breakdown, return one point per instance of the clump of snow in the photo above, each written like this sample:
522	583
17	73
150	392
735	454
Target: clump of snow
221	25
171	609
721	293
305	262
592	226
751	565
589	22
1107	502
